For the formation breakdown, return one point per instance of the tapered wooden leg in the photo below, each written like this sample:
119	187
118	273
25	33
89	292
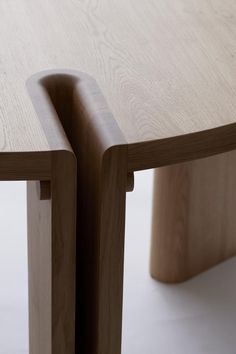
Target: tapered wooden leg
194	223
51	253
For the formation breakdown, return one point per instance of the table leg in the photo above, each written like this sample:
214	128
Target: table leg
194	223
100	247
51	254
101	152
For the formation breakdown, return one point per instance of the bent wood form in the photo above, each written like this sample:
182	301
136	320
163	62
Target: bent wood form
187	202
102	183
51	204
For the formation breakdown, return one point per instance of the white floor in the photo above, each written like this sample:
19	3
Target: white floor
13	269
196	317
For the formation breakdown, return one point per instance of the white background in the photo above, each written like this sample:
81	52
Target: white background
196	317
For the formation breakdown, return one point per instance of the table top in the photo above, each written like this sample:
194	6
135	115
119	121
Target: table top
166	68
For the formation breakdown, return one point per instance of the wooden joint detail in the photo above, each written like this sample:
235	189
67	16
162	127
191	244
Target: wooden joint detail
78	106
130	182
44	190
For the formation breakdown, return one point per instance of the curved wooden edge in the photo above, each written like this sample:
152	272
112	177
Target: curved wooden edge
164	152
47	115
101	152
75	98
51	234
47	87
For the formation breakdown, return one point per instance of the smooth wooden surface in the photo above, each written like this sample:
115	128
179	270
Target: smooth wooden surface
39	271
101	153
81	112
51	250
51	235
194	225
165	68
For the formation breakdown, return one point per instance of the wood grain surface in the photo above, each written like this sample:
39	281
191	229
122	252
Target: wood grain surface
194	225
166	68
51	205
102	181
167	72
51	255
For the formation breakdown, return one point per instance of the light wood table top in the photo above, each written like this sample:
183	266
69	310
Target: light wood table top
166	68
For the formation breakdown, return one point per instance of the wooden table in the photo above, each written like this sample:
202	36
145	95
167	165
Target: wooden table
164	97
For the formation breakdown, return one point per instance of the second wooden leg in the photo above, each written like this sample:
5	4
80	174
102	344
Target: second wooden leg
194	223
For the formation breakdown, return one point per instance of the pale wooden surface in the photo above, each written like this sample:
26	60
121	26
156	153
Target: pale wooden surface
51	204
194	224
166	67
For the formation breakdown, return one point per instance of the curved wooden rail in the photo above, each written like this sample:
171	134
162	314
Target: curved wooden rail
51	201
